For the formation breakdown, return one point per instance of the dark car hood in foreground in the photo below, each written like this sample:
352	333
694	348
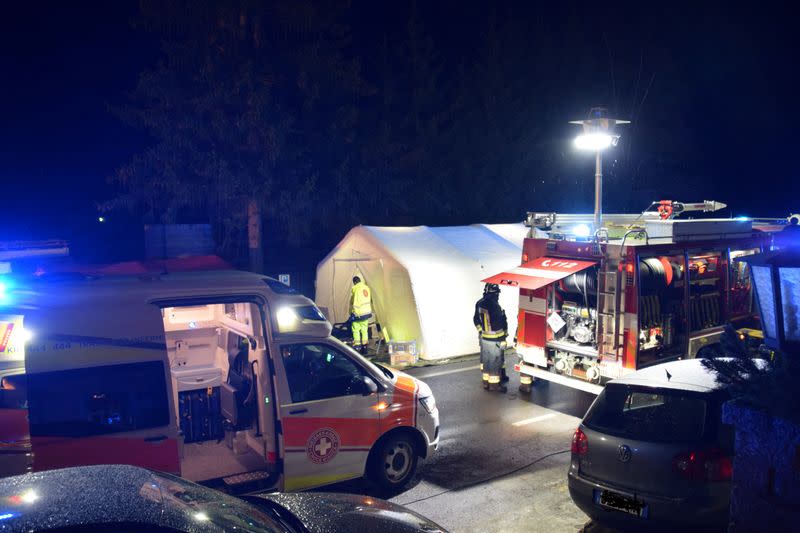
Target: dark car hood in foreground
109	495
325	512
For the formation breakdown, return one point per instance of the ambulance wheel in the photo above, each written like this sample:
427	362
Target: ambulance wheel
393	461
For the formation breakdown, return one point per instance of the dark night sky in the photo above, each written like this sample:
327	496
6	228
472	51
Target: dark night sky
734	72
62	64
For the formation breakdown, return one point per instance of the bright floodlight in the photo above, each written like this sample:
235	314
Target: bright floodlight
593	141
598	134
581	230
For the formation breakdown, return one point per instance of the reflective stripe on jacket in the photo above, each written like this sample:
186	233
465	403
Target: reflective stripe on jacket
490	319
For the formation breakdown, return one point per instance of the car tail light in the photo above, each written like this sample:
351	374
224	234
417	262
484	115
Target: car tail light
703	465
580	444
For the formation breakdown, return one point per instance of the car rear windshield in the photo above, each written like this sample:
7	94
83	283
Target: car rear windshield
649	414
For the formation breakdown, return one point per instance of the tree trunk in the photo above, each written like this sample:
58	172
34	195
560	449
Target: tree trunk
254	239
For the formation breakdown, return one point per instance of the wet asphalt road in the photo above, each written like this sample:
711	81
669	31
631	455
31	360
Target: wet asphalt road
503	458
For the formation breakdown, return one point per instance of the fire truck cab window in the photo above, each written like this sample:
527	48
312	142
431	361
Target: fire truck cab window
662	331
740	298
706	287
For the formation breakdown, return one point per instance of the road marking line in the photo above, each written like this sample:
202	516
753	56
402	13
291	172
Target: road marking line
445	372
533	420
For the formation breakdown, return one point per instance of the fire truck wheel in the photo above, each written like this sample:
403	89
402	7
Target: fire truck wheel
393	461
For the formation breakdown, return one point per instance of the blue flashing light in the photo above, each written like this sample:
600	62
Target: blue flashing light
581	230
742	218
6	516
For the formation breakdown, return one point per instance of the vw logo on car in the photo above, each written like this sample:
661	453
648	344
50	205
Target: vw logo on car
624	453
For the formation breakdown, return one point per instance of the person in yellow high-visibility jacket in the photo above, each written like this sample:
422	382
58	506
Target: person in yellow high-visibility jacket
360	313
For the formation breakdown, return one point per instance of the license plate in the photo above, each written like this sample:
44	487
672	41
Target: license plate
620	502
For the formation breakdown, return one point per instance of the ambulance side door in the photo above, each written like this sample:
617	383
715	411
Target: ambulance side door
329	413
99	389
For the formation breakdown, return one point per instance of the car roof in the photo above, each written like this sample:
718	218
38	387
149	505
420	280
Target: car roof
686	374
138	282
33	292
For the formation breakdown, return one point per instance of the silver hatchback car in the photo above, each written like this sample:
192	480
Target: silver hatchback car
652	451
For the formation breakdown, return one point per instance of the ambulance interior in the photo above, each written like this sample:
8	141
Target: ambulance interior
214	363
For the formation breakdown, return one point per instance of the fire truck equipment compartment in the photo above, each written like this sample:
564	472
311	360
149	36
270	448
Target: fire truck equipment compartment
696	230
540	272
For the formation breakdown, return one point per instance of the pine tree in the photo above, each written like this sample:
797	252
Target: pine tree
767	383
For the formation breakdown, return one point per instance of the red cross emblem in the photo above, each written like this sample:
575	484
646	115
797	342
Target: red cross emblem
322	445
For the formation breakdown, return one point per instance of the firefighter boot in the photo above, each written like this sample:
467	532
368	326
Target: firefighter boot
496	385
525	383
485	380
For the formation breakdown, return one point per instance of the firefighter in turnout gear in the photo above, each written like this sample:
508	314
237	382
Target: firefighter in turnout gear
490	321
360	313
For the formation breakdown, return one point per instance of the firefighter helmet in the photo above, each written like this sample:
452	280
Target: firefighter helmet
491	288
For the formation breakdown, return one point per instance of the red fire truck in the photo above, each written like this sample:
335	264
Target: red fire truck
642	290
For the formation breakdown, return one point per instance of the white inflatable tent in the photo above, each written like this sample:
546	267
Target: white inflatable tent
425	281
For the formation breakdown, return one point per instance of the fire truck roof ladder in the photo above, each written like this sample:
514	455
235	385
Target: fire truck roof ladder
609	332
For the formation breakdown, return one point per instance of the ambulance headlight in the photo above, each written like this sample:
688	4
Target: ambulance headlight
429	403
287	318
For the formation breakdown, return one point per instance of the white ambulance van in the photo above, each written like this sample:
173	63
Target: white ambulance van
227	378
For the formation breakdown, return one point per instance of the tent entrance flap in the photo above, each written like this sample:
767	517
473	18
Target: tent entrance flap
539	272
